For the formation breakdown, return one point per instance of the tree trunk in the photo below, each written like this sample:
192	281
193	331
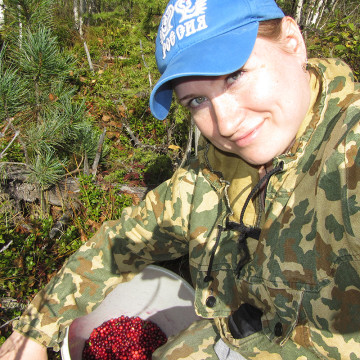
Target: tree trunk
20	30
93	6
310	12
298	12
320	15
76	14
332	5
2	19
316	13
78	9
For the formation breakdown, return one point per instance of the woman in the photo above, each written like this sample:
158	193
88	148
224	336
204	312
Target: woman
268	213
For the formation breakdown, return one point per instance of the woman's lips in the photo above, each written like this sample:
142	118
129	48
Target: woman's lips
246	138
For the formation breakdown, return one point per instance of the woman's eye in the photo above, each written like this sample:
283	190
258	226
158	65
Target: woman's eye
193	103
234	76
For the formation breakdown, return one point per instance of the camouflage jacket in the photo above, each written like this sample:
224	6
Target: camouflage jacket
302	272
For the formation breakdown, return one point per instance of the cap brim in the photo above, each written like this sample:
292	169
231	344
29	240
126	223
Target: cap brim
216	56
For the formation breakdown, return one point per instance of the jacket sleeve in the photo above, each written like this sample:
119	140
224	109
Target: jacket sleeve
149	232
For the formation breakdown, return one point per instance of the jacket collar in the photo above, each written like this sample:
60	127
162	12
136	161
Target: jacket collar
330	79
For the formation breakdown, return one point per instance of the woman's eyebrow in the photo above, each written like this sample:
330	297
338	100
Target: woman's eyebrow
186	98
191	96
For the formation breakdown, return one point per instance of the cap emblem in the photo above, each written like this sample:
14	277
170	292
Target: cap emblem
192	20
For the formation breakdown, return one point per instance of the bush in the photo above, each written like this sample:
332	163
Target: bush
337	39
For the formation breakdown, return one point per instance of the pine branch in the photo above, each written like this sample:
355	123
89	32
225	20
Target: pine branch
78	17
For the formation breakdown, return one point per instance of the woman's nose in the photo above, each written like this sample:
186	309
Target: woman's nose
227	113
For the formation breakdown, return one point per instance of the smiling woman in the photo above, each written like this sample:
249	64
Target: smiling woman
270	94
267	213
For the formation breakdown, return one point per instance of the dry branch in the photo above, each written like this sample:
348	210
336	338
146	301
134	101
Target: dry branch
98	152
146	65
3	153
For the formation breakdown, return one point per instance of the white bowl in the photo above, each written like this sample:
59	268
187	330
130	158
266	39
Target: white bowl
156	294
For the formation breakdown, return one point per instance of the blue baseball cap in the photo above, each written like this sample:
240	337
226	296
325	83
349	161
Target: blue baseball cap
205	38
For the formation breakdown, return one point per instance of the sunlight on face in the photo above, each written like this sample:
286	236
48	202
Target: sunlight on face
254	112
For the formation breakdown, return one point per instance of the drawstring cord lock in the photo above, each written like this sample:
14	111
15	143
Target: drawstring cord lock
245	231
248	231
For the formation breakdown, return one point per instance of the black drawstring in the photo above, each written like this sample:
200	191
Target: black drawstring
249	231
245	231
208	276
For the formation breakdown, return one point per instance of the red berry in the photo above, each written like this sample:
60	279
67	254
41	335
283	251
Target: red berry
124	338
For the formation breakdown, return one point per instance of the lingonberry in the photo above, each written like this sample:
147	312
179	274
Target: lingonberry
124	338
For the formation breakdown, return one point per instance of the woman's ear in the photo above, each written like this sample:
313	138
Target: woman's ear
292	38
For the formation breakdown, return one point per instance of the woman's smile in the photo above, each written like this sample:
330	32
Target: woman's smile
248	136
256	112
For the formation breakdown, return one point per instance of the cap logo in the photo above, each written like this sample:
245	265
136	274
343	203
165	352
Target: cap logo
192	20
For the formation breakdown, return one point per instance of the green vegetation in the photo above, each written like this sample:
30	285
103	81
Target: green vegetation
338	38
331	28
99	203
57	98
33	252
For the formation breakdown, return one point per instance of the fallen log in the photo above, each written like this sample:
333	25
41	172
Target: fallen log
64	194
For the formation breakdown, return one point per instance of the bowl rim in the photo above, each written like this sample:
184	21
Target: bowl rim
64	347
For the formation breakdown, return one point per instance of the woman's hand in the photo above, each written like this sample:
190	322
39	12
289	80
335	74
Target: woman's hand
19	347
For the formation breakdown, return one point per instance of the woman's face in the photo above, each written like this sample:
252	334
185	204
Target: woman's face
256	111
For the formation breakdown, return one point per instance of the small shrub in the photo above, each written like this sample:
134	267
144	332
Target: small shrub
338	39
139	167
100	203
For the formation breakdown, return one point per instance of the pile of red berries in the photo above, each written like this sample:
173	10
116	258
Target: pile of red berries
124	338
